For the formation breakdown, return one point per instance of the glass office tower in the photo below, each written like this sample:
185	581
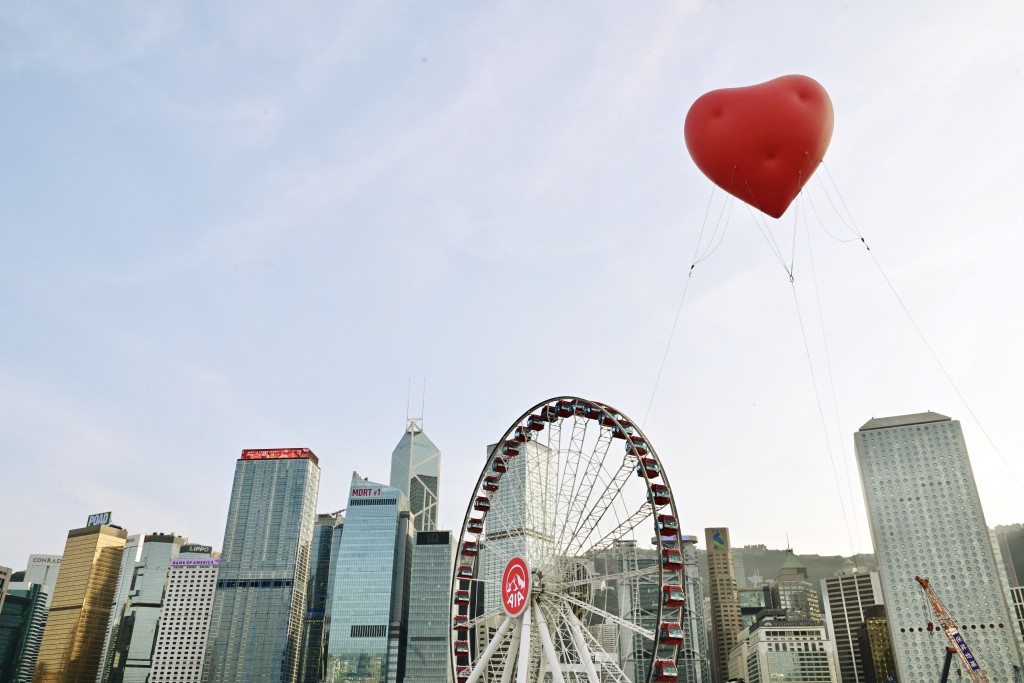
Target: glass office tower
369	599
926	520
22	620
258	609
313	636
416	472
132	649
73	640
429	593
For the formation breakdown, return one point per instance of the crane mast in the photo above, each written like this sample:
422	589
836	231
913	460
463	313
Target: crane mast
953	633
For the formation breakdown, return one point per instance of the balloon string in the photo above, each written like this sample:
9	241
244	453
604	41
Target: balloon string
913	323
832	384
708	251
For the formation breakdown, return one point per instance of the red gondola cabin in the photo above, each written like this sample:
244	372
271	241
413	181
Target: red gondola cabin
673	596
639	446
483	504
465	571
461	623
665	671
670	634
510	448
491	482
469	548
461	597
671	559
659	495
461	648
499	465
475	526
648	467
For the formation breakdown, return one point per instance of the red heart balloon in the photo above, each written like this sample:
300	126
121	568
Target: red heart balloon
761	143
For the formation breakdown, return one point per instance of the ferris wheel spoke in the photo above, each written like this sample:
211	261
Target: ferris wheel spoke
569	480
608	616
618	576
594	466
525	637
492	647
584	653
484	617
609	664
622	530
513	651
548	645
604	502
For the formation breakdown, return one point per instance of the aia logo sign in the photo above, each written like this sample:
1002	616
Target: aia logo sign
515	587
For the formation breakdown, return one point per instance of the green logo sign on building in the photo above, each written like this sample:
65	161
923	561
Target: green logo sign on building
98	519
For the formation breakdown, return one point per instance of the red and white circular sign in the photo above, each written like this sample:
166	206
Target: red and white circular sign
515	587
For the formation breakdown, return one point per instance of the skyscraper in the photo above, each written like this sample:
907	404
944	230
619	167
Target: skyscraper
416	472
131	554
132	648
258	609
369	596
185	617
44	570
73	640
926	520
694	665
782	649
22	620
847	596
314	635
794	592
725	605
427	645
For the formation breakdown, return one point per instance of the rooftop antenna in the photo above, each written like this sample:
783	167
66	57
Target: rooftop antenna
414	425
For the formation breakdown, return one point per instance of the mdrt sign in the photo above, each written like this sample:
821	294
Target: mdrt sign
98	519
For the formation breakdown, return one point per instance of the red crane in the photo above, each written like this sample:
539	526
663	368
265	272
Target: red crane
953	633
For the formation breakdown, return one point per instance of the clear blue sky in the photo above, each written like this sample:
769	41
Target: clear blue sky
247	225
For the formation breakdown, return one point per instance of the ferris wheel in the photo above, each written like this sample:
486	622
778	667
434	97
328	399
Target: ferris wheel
569	565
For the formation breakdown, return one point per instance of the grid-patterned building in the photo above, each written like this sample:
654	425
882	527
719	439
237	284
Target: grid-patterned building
926	520
131	554
427	646
793	591
132	649
416	472
22	620
847	596
694	664
725	605
73	640
369	596
781	649
260	603
185	617
314	640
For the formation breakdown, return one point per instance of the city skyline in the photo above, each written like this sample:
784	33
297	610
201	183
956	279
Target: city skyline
189	192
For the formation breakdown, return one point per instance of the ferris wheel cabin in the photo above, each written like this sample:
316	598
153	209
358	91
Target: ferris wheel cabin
665	671
673	596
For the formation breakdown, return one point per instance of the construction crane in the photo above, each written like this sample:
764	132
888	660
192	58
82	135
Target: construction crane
953	633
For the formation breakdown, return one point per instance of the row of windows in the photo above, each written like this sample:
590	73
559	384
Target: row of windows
368	631
261	583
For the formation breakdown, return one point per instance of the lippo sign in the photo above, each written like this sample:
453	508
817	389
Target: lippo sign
515	587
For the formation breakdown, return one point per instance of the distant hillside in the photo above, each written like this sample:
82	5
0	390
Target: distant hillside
751	559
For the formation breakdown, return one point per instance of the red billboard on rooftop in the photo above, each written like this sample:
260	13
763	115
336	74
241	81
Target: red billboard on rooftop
278	454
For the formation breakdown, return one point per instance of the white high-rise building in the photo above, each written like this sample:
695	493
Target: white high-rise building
43	569
185	617
926	520
132	553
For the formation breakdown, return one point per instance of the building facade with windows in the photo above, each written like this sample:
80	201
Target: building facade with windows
260	602
369	596
314	632
926	520
132	641
694	662
725	605
416	472
181	641
430	587
22	621
847	599
783	649
72	645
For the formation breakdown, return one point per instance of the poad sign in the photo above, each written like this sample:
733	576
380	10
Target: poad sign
515	587
98	519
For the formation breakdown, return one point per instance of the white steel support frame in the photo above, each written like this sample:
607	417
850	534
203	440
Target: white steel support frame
570	505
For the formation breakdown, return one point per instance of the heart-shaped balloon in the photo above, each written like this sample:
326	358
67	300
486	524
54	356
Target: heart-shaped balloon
761	143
